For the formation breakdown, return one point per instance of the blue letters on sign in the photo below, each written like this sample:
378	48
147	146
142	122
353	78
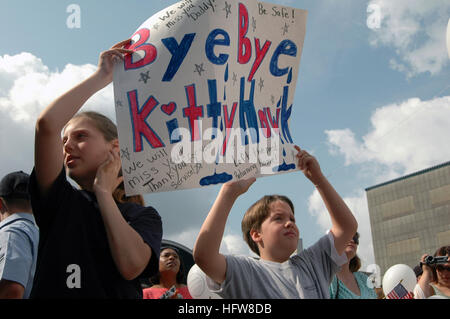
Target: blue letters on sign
247	113
286	47
211	42
214	106
178	54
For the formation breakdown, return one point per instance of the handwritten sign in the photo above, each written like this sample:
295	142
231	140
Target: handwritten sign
207	96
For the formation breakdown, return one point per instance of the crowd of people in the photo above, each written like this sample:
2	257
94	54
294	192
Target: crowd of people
57	241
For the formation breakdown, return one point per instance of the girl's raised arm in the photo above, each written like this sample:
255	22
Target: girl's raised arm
48	145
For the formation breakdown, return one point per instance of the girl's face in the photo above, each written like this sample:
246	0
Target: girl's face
85	149
169	261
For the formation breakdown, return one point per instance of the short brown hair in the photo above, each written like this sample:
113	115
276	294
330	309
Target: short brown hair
257	214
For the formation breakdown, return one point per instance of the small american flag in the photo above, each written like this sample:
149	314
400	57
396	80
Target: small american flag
400	292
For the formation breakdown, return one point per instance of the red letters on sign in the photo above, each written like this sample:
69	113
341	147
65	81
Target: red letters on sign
244	43
193	112
228	124
260	54
140	126
140	45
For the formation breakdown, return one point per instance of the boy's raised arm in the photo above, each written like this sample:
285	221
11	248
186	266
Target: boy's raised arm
344	224
207	245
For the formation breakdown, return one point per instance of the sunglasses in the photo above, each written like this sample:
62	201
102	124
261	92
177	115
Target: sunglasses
442	268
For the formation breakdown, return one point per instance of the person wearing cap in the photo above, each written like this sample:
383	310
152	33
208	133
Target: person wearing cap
19	237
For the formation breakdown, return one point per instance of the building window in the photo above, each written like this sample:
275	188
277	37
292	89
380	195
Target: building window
440	196
398	207
404	247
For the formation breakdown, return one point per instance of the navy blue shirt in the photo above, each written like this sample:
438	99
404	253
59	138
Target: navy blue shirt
73	242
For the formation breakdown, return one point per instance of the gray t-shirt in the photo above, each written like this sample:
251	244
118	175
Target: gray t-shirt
304	276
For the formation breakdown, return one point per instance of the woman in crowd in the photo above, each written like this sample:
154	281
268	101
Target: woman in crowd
435	279
169	282
349	283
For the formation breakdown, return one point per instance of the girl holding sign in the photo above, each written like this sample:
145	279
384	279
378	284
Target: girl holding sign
92	245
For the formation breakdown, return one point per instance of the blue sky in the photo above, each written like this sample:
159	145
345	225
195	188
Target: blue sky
371	103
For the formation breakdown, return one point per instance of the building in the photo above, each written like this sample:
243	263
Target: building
410	216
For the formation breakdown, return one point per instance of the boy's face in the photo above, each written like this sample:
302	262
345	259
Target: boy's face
278	236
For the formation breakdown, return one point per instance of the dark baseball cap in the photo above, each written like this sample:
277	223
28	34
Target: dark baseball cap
15	185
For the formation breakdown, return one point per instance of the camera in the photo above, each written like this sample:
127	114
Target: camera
430	260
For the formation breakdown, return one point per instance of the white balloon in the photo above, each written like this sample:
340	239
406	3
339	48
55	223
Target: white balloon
397	273
196	282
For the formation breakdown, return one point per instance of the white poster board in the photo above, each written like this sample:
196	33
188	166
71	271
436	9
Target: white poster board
207	95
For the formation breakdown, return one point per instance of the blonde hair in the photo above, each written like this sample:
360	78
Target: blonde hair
109	132
257	214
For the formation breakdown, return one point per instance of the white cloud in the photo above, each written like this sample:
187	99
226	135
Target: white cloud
235	244
186	237
358	205
416	30
404	138
317	208
27	86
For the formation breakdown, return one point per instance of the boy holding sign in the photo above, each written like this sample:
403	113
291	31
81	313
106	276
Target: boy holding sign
270	230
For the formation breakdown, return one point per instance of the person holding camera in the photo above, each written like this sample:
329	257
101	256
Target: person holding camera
435	279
